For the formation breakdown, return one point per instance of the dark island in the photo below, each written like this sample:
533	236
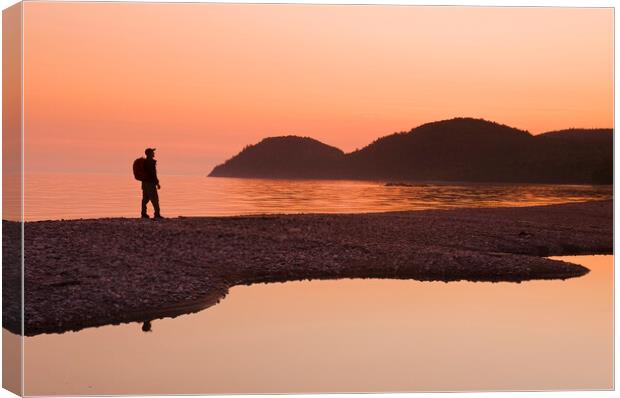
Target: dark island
83	273
461	149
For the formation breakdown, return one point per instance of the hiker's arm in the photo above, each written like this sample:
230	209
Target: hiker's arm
151	171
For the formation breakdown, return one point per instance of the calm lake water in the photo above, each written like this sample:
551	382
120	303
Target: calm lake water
351	335
69	196
338	335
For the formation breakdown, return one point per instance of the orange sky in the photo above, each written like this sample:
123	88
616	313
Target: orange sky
199	81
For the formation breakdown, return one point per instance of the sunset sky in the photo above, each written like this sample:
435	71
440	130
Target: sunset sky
102	81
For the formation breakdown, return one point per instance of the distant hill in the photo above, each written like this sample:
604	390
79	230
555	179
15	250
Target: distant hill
576	155
283	157
460	149
449	150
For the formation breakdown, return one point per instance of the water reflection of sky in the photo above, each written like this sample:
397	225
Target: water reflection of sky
351	335
54	196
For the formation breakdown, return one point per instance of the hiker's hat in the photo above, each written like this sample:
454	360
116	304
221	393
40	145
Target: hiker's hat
147	150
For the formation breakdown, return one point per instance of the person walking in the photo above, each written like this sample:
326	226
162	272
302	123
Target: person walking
150	184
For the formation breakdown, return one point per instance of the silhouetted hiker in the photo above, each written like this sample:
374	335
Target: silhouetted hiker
146	326
150	183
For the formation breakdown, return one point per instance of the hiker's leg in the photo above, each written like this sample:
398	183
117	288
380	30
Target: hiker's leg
145	199
155	201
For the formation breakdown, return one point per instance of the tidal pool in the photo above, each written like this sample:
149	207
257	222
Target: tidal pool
350	335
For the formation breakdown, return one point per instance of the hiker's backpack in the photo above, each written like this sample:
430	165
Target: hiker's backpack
138	169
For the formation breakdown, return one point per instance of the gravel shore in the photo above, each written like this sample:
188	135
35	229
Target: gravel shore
83	273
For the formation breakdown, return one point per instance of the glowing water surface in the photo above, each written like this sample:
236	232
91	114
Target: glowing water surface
351	335
68	196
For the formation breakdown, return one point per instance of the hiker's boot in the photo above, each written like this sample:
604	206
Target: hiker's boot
144	215
158	216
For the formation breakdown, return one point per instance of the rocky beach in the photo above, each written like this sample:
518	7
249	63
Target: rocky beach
84	273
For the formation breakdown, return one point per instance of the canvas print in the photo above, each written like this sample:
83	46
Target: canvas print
204	198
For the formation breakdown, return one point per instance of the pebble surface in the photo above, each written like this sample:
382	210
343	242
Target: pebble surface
83	273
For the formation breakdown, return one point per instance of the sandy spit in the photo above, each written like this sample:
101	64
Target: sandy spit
83	273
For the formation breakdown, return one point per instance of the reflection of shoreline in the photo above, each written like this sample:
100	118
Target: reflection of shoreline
168	311
94	272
